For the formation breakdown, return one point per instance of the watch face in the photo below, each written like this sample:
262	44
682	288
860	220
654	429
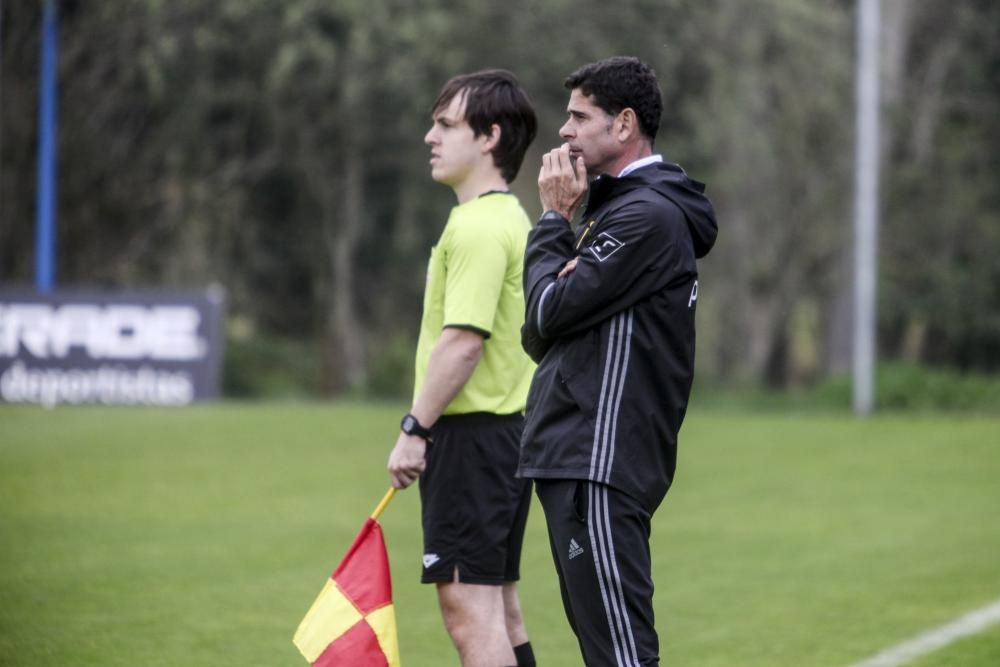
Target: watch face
408	423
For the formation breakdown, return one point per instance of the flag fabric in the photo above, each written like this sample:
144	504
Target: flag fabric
352	622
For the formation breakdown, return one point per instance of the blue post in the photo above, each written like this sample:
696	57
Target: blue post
45	269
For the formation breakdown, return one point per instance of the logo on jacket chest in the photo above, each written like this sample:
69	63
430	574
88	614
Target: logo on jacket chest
604	246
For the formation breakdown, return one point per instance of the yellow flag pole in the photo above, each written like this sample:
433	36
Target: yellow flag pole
385	501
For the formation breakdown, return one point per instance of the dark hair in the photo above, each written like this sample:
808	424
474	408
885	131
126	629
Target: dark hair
622	82
493	96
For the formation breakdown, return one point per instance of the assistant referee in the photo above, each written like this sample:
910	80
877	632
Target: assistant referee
462	435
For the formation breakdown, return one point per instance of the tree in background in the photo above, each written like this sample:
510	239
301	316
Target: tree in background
275	147
940	292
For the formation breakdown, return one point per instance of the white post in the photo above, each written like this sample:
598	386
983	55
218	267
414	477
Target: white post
866	204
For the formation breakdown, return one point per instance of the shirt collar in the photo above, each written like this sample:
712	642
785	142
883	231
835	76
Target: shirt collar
639	164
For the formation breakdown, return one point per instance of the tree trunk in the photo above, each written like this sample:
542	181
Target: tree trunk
840	315
343	223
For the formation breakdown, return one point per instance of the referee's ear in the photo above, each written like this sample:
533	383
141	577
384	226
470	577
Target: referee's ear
493	138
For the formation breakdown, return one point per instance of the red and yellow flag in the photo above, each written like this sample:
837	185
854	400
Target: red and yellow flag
352	622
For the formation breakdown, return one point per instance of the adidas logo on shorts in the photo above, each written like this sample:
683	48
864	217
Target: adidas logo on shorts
574	549
430	559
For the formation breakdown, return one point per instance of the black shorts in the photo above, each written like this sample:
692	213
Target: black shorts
474	509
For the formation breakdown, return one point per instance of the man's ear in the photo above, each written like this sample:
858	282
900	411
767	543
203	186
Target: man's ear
626	124
492	139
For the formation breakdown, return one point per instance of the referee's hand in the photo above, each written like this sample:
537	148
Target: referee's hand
407	461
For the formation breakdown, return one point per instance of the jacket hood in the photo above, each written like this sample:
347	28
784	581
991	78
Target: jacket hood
669	180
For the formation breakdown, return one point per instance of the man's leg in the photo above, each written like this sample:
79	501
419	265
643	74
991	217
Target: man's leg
517	633
474	617
600	541
474	513
513	619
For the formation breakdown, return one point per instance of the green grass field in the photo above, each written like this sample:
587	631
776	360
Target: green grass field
200	536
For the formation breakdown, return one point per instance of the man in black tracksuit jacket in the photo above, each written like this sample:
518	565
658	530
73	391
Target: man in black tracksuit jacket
610	321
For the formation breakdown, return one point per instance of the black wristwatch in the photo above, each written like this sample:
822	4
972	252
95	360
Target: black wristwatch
411	426
553	214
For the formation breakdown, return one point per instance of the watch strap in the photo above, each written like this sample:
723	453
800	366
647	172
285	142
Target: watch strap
553	214
410	425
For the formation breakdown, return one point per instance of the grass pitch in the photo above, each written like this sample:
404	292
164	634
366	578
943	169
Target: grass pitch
201	536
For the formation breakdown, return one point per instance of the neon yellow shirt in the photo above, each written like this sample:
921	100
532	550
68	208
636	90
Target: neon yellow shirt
474	282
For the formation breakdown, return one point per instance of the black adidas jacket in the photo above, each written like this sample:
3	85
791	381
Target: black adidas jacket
614	340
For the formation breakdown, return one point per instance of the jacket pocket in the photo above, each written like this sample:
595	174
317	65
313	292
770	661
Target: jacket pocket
580	371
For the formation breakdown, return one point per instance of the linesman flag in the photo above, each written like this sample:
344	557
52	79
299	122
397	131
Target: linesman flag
352	622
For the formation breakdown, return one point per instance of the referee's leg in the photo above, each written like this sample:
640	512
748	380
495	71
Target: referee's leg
600	542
